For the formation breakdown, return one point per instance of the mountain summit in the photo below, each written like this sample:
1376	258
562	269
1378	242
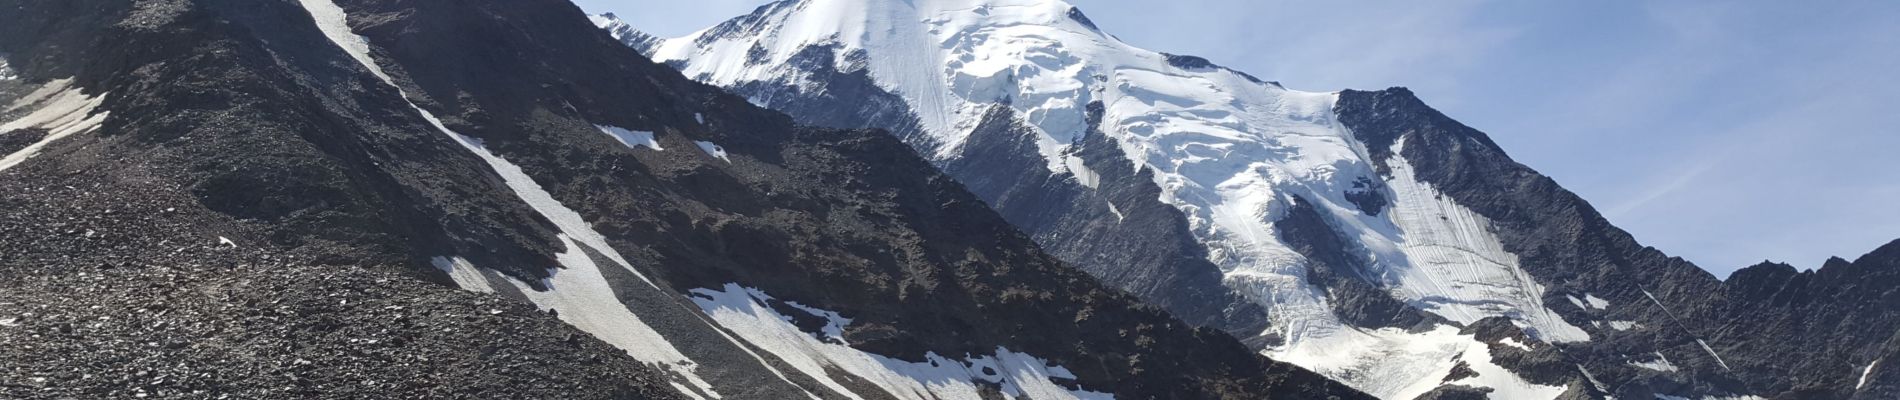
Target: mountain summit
1359	234
944	200
494	199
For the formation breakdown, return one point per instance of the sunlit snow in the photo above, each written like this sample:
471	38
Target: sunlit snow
578	290
1596	302
713	150
744	311
1660	363
1514	343
58	107
1865	373
1230	152
631	138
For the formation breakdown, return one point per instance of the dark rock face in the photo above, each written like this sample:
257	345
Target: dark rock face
1147	250
1117	231
1197	62
1456	392
1777	332
117	285
16	140
1543	364
1342	274
192	79
335	194
1369	195
1189	62
1816	331
848	99
1076	14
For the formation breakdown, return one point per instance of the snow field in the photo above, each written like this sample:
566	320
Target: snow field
744	311
59	108
1230	152
578	290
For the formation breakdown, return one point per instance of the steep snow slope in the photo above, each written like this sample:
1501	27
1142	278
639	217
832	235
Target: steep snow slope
598	146
56	110
747	311
579	290
1229	151
285	192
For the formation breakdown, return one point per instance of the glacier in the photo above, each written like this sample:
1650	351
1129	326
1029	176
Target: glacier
1233	153
744	311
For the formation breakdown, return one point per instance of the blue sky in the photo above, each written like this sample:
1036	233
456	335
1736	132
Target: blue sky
1724	132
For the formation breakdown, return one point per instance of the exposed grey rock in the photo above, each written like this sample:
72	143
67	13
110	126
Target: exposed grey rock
1777	332
237	119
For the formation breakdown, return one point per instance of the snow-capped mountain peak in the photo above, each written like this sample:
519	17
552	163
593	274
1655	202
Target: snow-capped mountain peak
1232	153
1038	55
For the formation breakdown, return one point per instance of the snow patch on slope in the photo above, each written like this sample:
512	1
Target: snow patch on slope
1587	302
1596	302
465	275
59	108
834	322
1393	364
1661	363
583	299
1865	373
1510	341
335	24
631	138
745	312
578	291
6	71
713	150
